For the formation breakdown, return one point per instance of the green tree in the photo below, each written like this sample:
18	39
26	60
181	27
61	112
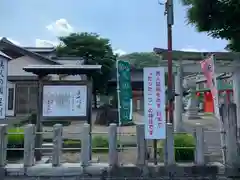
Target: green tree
139	60
94	50
219	18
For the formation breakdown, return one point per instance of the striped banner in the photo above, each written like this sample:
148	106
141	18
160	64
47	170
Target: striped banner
208	70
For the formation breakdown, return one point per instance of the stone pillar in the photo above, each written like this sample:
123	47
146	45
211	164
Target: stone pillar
192	107
113	145
236	94
178	109
138	104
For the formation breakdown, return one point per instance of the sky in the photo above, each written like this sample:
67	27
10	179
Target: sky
131	25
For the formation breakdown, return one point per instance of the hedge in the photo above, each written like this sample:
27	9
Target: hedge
184	148
15	141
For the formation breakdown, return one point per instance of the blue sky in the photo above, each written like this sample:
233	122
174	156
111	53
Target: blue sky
131	25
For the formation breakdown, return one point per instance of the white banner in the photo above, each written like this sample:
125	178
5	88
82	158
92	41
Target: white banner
154	103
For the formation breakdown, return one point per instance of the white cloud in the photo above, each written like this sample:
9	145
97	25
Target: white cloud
189	48
13	41
119	52
45	43
60	27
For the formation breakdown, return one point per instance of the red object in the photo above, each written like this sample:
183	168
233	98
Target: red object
208	100
198	94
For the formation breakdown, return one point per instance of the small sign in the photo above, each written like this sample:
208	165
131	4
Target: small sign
64	100
3	86
154	103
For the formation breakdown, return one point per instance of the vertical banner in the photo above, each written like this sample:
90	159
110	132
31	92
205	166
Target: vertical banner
124	92
207	66
3	87
154	103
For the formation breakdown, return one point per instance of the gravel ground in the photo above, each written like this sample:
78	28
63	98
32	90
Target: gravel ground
125	157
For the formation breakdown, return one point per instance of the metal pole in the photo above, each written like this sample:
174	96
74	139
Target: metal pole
118	95
170	22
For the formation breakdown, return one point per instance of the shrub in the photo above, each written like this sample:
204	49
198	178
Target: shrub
15	141
184	147
99	144
71	143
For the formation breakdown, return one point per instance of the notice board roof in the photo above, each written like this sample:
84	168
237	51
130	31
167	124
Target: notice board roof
43	70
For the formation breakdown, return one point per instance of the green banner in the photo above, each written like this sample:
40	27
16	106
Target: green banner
124	92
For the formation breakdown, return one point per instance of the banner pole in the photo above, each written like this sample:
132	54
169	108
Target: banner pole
119	110
118	94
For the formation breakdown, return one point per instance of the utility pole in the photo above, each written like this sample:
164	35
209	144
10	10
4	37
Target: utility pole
170	22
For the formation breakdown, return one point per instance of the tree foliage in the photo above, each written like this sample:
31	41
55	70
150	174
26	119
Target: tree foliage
142	59
219	18
94	50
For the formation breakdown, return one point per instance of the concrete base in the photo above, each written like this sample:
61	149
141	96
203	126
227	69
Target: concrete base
44	160
104	171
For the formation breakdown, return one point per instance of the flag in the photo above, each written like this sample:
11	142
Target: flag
208	69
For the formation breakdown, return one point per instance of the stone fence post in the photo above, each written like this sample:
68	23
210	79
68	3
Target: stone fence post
141	145
169	158
57	145
3	144
86	146
199	149
229	117
29	145
113	145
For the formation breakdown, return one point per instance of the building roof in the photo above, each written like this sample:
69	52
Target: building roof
40	49
196	56
44	70
5	56
14	51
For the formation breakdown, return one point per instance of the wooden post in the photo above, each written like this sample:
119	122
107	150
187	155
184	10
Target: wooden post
38	142
113	152
141	145
3	144
29	145
86	147
57	144
89	112
199	149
